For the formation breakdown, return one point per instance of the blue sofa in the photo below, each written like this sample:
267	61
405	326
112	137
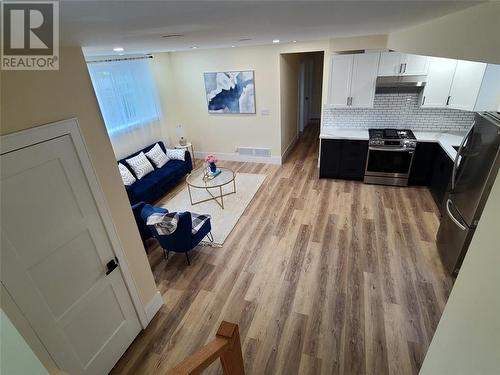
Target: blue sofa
154	185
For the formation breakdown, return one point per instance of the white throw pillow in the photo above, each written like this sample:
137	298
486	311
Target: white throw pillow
127	177
157	156
176	154
140	165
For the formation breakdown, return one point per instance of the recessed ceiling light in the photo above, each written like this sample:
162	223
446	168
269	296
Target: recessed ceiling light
233	46
276	40
118	49
294	41
194	47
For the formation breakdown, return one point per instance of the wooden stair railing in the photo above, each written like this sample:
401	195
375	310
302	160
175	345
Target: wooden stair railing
226	345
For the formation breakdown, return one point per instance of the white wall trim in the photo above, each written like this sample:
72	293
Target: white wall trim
28	137
232	156
289	148
153	306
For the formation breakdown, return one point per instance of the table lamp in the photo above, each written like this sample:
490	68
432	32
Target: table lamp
181	133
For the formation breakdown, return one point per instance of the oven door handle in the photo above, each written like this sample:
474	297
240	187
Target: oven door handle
391	149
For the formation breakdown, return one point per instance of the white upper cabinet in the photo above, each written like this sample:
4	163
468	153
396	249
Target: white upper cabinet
402	64
340	80
352	80
414	65
466	85
439	80
390	64
364	79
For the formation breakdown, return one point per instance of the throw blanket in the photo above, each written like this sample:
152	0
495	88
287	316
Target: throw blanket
166	224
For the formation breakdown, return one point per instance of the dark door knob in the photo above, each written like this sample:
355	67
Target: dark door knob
111	265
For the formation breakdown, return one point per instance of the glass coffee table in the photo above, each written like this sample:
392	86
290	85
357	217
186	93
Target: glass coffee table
197	180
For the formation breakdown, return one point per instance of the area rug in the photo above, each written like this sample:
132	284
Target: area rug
223	220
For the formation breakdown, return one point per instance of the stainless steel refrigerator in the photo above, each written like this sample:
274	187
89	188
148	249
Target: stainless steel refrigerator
474	172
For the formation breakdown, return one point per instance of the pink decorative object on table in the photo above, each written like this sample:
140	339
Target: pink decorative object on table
211	160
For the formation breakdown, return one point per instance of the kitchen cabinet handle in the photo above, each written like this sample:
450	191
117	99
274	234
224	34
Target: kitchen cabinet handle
448	100
347	101
400	68
459	155
350	100
404	70
423	100
459	224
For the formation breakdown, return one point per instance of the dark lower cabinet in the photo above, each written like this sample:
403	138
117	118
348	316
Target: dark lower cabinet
329	158
422	165
441	177
346	159
341	158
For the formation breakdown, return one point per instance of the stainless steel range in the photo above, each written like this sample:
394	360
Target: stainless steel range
390	155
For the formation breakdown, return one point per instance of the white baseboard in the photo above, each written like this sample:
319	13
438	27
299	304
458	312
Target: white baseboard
232	156
153	306
289	148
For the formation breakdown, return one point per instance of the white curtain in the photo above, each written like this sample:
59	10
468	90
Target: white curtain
128	100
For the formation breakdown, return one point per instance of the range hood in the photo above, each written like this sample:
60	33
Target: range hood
401	83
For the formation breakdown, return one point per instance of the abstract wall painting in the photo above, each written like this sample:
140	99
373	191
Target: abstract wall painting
230	92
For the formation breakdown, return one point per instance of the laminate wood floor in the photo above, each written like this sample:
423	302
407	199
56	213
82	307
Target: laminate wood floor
322	276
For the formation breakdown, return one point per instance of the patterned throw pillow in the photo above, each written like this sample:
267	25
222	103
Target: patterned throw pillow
157	156
140	165
176	154
127	177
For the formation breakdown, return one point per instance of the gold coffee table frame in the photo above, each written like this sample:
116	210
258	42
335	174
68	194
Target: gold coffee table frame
196	180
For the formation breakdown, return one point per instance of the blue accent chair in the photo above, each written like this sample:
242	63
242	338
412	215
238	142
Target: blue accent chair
182	240
141	225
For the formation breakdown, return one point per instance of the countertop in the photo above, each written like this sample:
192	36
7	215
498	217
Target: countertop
445	139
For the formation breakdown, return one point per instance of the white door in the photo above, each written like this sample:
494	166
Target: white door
439	80
364	77
54	254
340	80
414	64
390	64
466	85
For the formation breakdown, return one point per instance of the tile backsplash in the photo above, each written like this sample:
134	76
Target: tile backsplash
398	110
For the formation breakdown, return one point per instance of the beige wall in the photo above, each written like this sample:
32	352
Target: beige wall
289	90
470	34
467	339
220	132
33	98
182	92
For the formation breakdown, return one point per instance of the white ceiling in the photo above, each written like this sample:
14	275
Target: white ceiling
138	26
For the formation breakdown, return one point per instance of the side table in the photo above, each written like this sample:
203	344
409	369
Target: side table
188	147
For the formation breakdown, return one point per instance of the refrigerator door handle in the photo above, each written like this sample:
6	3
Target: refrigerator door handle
458	155
458	223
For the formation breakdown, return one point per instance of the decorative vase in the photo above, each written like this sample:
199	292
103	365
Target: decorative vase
183	141
213	167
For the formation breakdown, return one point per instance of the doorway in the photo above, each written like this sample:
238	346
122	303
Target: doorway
301	85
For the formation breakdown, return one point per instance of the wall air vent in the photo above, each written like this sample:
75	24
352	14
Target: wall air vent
252	151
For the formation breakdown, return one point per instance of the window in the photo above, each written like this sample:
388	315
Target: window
126	94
